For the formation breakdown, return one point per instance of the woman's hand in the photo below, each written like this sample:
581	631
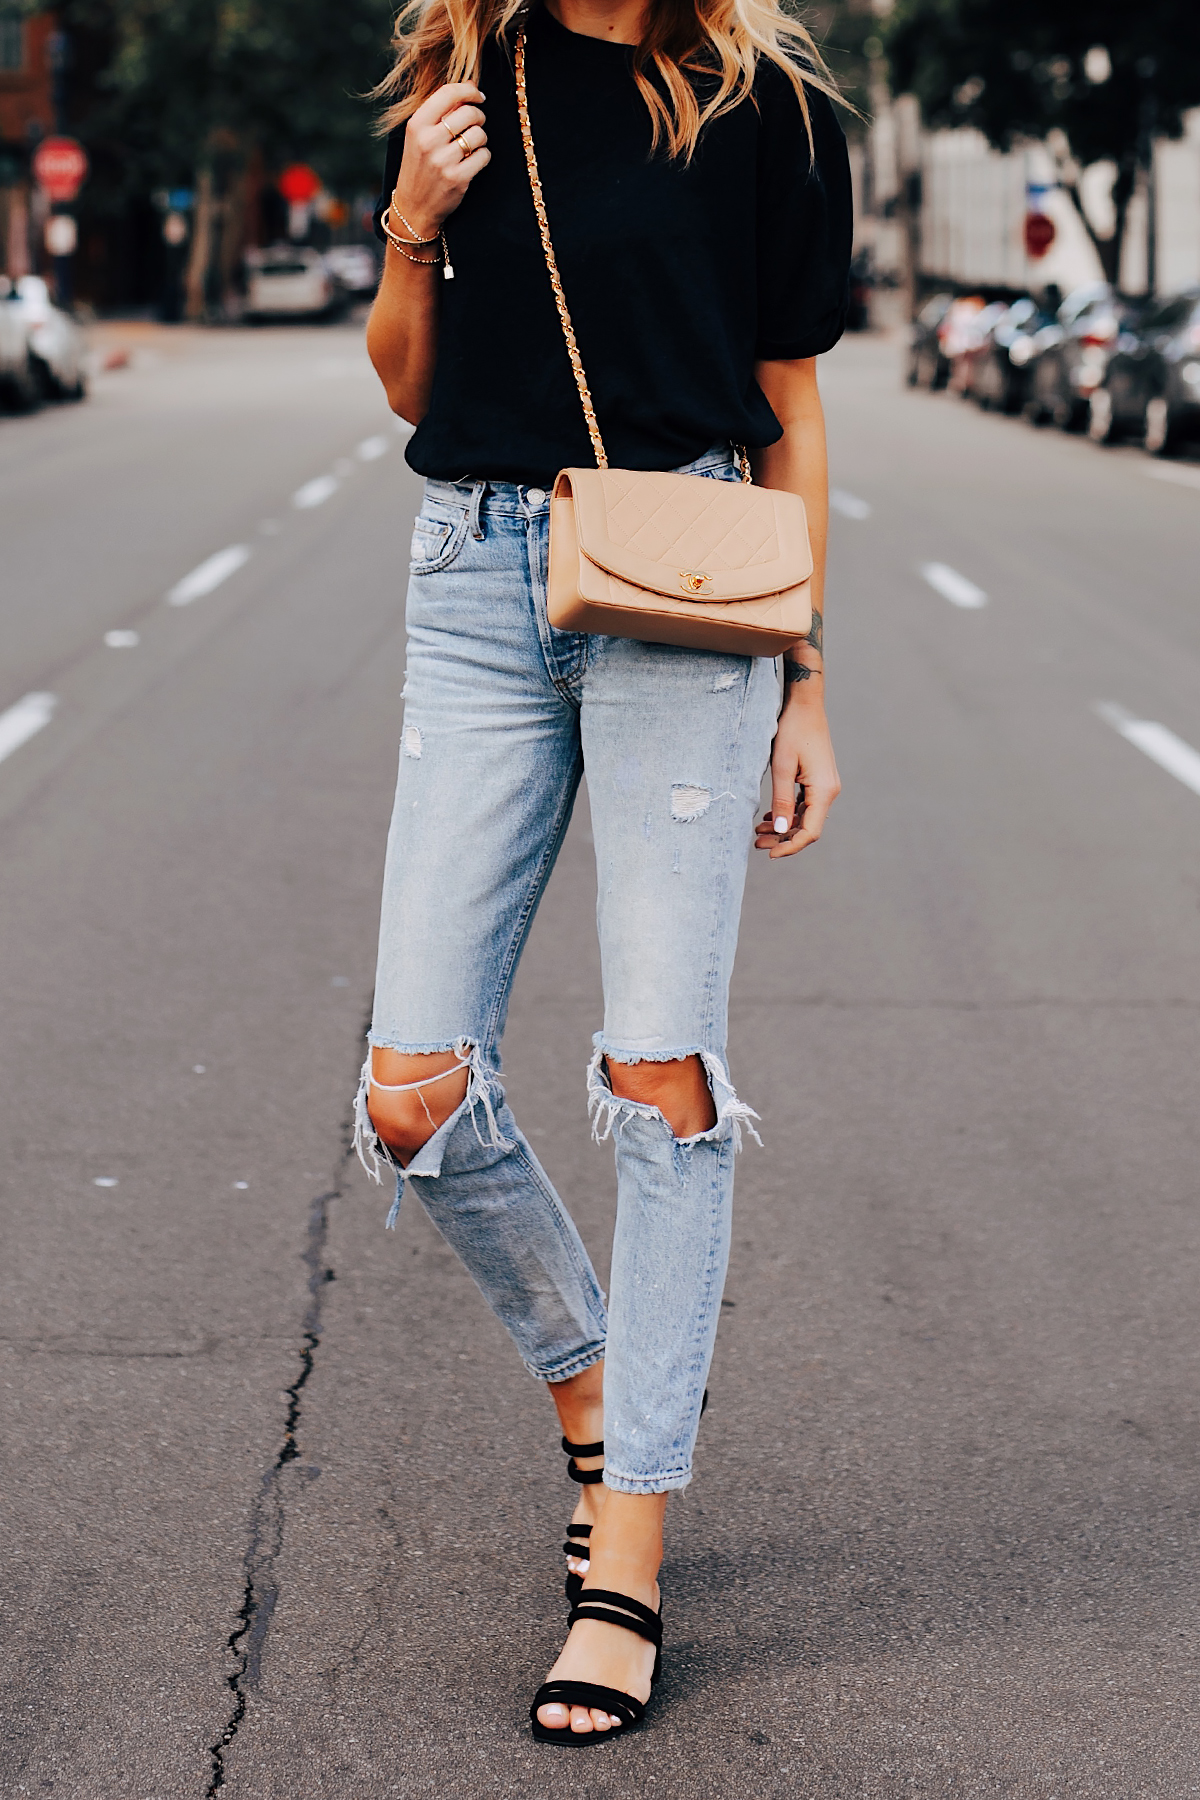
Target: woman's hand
434	172
802	756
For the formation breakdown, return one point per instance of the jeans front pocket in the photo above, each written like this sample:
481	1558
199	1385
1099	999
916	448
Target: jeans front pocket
438	535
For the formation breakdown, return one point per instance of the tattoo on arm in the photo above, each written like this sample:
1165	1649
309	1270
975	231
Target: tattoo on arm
794	670
816	634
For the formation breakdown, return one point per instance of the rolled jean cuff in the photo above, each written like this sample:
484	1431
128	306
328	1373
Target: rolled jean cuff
574	1365
647	1484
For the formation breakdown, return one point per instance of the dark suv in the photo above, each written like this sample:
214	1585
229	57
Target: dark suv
1152	385
1073	353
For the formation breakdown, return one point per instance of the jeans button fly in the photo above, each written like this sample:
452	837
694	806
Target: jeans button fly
535	496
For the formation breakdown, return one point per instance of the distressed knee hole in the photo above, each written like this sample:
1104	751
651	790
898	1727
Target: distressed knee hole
411	742
394	1120
406	1113
679	1089
611	1111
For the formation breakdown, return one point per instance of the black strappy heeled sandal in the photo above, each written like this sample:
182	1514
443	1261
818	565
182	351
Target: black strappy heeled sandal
573	1585
611	1609
586	1478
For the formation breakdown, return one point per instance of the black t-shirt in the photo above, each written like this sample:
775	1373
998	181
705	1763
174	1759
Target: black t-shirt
678	275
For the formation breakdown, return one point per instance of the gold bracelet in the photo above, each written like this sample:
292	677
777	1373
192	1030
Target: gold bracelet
414	240
409	227
424	262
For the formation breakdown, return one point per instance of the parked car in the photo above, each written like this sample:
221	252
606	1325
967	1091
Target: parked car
998	364
56	344
969	339
1152	384
355	266
1071	356
19	384
290	281
927	367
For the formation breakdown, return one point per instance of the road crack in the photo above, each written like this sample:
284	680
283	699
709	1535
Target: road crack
261	1588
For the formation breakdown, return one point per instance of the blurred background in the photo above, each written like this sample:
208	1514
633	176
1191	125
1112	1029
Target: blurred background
1002	147
194	162
942	1540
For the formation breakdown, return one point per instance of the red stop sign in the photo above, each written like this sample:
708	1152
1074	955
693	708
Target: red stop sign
1039	234
299	183
59	166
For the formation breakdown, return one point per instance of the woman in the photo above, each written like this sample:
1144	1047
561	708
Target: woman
698	197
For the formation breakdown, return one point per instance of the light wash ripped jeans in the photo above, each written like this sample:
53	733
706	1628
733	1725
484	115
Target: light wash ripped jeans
502	715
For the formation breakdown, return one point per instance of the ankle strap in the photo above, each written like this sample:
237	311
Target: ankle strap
585	1477
583	1449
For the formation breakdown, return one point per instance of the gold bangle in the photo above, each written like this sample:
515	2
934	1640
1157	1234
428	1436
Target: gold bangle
394	237
423	262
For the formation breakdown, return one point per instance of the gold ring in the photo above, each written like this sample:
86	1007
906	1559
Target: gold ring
449	128
461	141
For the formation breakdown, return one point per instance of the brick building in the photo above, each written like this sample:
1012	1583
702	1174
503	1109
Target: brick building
26	114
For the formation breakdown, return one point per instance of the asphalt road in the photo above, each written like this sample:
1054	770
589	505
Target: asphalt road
281	1509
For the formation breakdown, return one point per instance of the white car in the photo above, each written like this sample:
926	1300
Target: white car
19	385
355	265
286	280
56	344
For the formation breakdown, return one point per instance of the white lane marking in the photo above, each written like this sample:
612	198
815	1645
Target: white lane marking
849	505
23	720
1155	741
1181	477
121	640
209	575
952	586
105	1181
371	448
315	492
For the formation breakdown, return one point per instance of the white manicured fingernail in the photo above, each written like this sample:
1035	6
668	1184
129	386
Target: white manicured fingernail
781	824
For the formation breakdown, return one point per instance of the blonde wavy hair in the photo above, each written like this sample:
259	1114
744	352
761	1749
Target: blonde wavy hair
438	41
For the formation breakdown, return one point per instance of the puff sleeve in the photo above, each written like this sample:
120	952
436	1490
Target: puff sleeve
805	223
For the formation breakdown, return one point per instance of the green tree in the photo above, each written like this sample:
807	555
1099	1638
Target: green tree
848	33
200	93
1098	81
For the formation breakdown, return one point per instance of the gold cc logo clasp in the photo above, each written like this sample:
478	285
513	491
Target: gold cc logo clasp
694	581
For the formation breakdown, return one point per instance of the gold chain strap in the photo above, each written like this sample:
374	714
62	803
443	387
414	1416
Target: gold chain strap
560	299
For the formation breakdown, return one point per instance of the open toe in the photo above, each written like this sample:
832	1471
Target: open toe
589	1700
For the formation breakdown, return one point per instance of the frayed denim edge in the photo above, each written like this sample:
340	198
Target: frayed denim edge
608	1110
482	1086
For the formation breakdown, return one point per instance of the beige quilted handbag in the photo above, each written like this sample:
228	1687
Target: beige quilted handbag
670	559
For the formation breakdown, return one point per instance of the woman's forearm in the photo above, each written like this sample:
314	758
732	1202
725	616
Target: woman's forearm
445	147
798	464
402	332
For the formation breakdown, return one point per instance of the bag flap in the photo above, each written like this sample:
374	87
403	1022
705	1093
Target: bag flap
687	536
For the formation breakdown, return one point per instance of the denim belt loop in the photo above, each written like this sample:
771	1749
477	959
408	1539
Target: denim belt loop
477	493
